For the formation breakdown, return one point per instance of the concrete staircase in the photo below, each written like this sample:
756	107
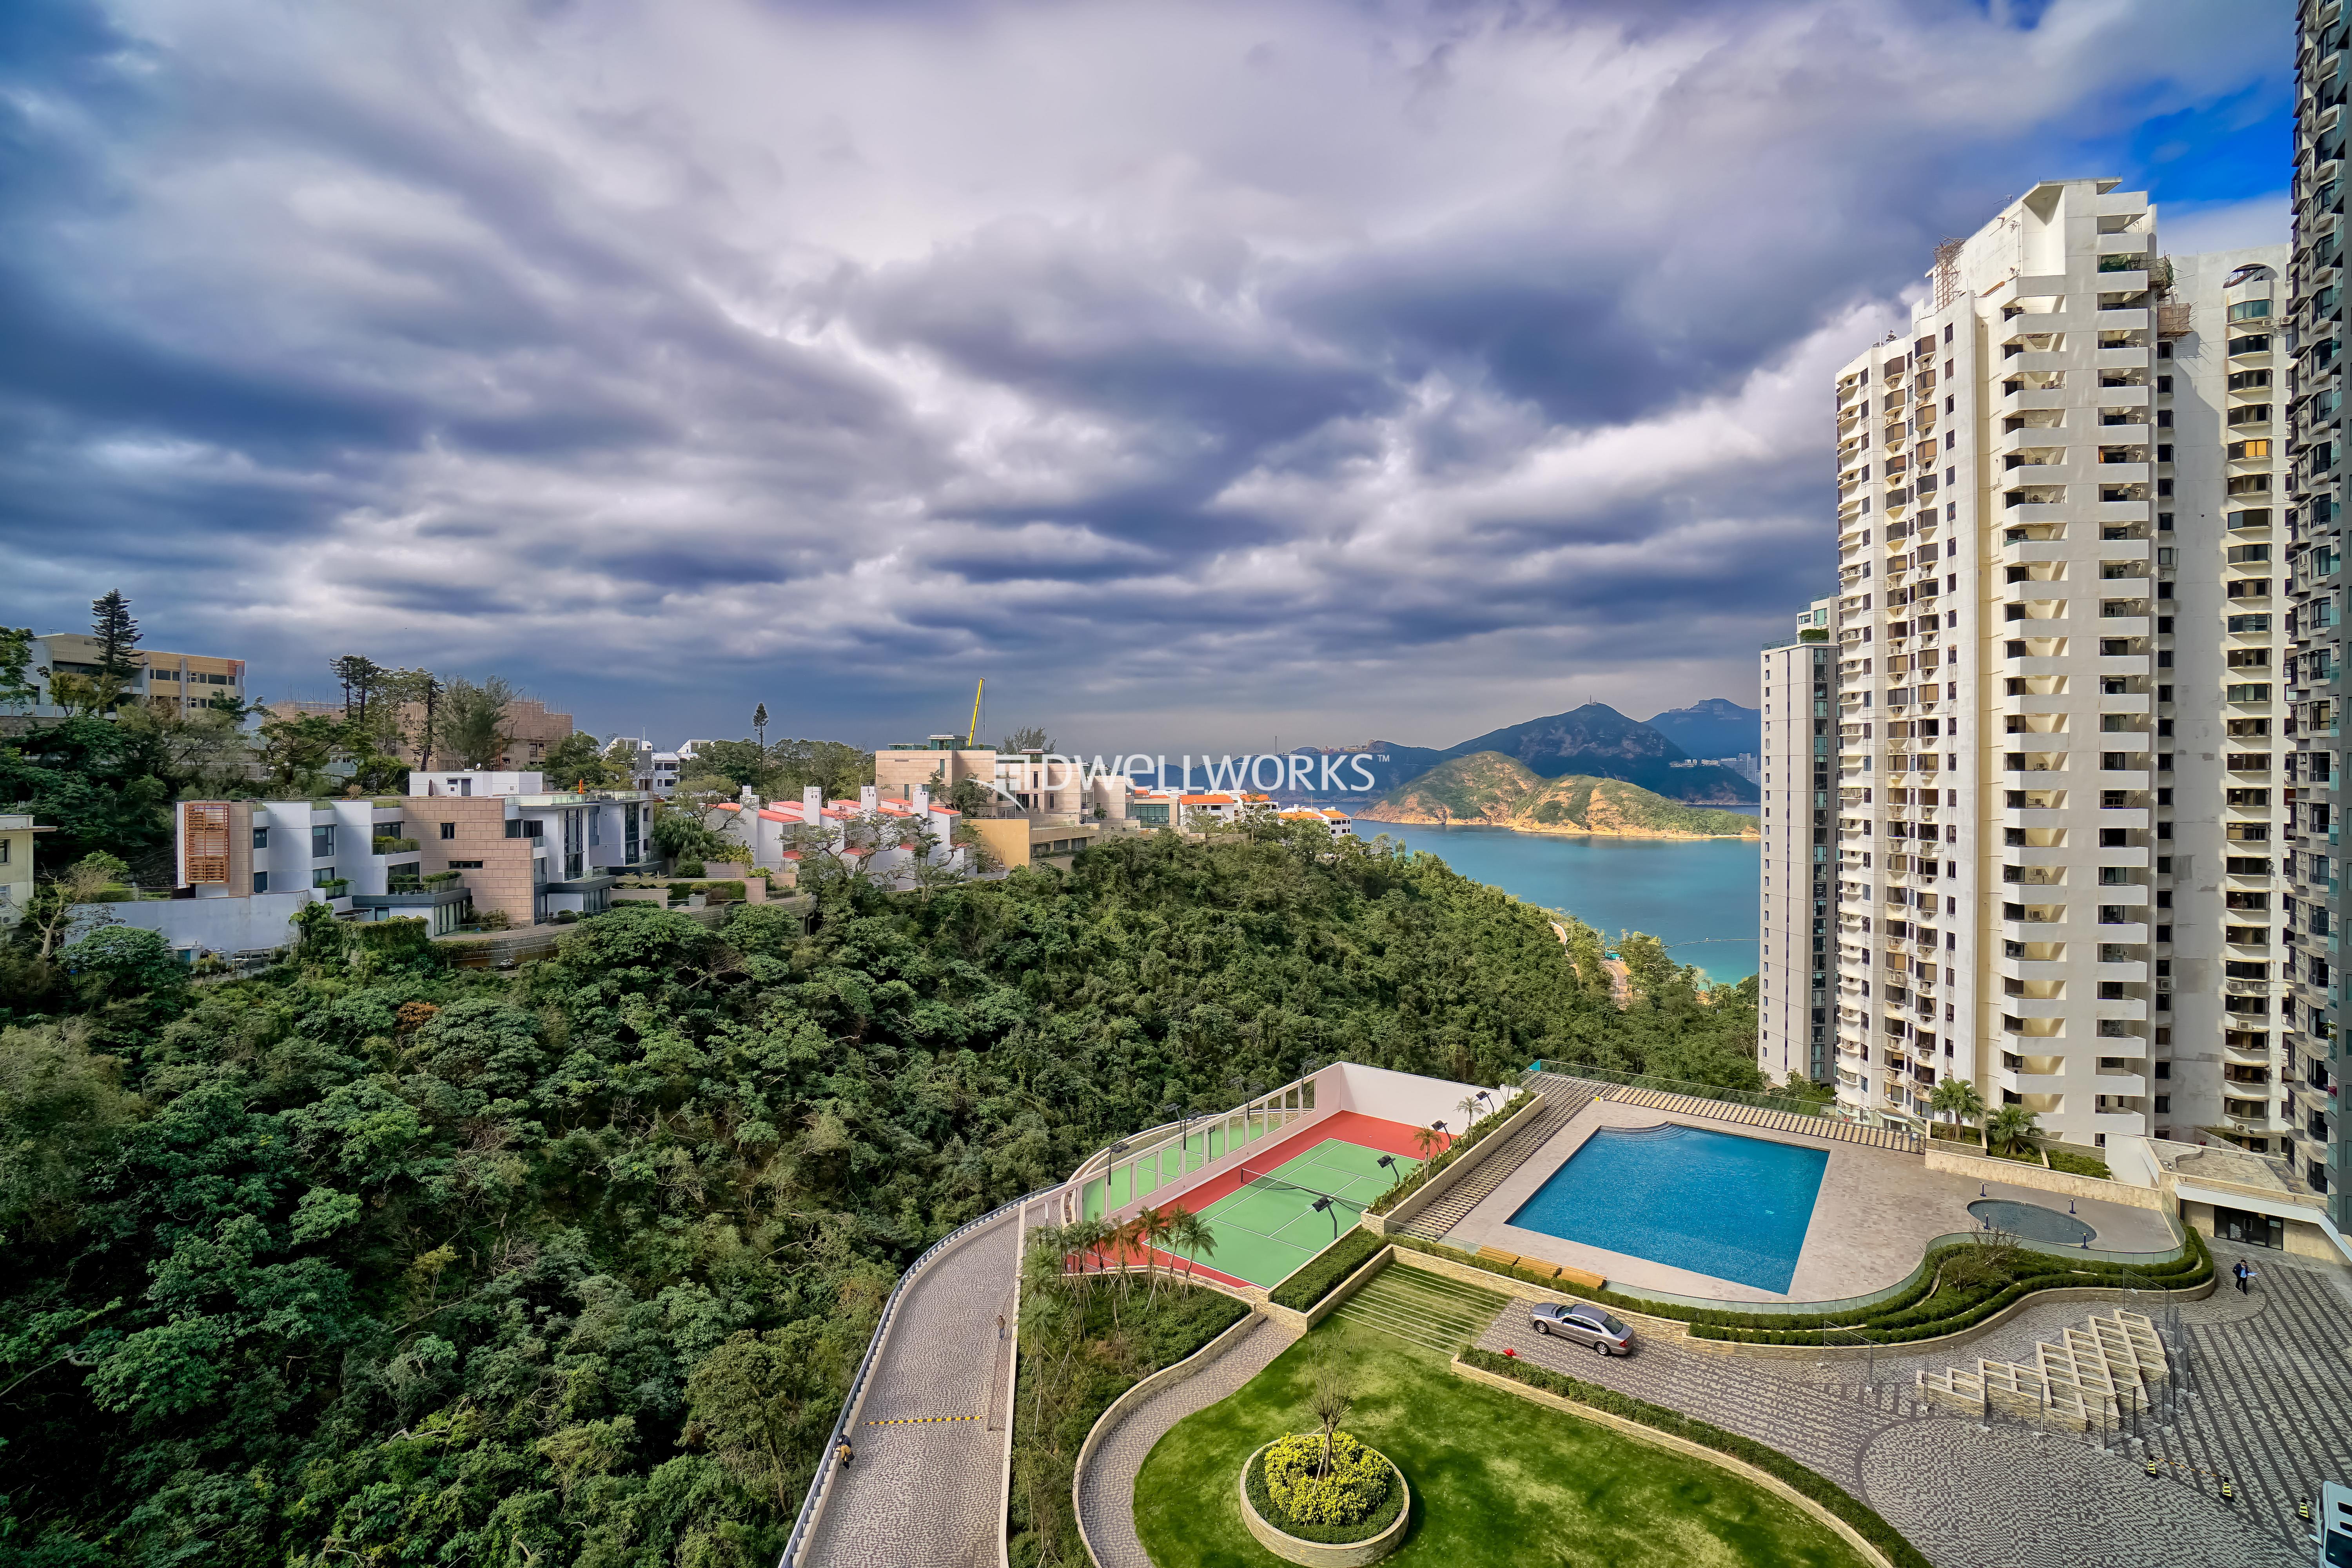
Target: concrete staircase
1563	1098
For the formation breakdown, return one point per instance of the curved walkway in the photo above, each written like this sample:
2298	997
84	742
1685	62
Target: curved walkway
1106	1487
926	1489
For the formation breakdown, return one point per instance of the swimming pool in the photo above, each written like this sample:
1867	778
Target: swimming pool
1713	1202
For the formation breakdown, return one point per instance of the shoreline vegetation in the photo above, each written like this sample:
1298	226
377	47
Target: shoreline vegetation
1491	790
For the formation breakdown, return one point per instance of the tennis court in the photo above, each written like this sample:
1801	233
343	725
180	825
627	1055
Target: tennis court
1268	1226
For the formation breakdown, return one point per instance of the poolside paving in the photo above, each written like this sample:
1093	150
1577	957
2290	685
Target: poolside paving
1875	1210
2270	1406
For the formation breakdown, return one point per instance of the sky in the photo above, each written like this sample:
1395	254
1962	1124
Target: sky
1203	376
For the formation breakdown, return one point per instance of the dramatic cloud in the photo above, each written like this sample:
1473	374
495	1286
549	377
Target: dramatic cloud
1197	372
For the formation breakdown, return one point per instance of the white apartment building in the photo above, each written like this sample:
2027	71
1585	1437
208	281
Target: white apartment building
2058	687
1795	880
1998	904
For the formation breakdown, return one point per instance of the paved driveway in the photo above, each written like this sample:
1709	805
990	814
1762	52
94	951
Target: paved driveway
926	1490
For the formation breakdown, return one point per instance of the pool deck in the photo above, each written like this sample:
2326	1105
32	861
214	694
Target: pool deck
1876	1212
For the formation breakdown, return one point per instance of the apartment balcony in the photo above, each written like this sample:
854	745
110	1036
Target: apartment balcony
2027	551
2117	855
2043	857
2127	702
2129	932
2030	360
2121	321
2051	930
2130	1085
2133	973
2030	514
2031	817
2128	816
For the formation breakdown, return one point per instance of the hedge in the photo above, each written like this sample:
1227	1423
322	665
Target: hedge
1364	1528
1315	1282
1898	1319
1864	1520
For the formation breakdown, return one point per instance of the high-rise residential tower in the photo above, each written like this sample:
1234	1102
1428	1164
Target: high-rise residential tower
2060	813
1797	771
2311	339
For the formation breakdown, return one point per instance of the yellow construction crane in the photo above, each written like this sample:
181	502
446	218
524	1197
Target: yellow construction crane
973	738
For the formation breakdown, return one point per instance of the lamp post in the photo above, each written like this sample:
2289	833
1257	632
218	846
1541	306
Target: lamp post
1323	1205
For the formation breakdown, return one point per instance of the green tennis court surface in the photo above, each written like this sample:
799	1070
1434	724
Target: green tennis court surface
1269	1226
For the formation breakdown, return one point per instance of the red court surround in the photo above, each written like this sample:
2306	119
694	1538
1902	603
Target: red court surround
1347	1126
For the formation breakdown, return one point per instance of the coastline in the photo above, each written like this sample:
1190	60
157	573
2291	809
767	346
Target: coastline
1555	831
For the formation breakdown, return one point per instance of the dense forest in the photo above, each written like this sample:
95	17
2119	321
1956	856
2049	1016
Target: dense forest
364	1260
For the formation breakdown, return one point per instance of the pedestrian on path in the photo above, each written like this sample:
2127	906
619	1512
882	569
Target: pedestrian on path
2252	1275
2241	1274
1000	1325
845	1453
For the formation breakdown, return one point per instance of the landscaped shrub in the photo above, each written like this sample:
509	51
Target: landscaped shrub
1346	1490
1382	1515
1315	1282
1922	1310
2076	1164
689	868
1863	1519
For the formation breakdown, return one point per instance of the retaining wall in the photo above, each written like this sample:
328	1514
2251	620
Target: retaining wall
1438	1186
1984	1168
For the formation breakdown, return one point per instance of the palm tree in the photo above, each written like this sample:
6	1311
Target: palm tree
1149	1224
1192	1233
1426	1139
2013	1126
1957	1097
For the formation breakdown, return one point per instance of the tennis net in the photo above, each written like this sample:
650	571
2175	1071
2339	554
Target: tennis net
1251	1178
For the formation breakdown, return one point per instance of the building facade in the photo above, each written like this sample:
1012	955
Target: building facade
1999	780
181	682
1796	880
2311	342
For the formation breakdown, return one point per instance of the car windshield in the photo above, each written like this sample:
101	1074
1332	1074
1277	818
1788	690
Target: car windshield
1614	1326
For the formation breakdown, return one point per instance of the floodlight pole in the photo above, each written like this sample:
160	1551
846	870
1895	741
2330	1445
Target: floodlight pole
1323	1205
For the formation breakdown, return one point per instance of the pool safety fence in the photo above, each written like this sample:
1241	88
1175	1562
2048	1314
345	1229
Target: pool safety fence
1793	1105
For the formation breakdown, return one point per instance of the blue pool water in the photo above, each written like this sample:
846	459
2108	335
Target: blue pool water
1713	1202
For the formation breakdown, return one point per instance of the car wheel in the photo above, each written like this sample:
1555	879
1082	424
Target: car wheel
1601	1349
1539	1328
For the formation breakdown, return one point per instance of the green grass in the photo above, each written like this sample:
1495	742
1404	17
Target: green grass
1496	1479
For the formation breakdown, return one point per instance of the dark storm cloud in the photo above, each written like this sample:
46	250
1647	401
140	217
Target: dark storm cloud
1401	366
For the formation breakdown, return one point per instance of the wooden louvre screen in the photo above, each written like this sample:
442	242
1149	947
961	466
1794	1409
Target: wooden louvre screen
203	855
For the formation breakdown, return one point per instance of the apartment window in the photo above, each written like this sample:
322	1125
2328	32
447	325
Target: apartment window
261	881
322	841
322	875
261	838
526	827
465	865
448	830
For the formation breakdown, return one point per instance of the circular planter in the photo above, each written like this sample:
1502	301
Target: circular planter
1319	1553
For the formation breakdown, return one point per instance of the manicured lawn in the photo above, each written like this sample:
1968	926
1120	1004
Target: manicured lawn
1496	1479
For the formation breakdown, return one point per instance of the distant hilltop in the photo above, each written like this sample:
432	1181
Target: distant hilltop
1599	742
1493	790
1715	727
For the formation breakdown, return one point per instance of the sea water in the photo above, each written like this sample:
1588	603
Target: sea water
1698	896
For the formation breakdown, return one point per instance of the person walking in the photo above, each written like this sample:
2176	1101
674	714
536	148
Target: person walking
2252	1275
2239	1272
845	1453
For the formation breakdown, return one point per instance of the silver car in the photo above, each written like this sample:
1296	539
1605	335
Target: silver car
1584	1323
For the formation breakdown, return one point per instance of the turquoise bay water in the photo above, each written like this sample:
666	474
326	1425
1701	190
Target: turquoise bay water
1698	896
1713	1202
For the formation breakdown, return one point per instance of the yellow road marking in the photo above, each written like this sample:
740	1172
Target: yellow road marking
917	1420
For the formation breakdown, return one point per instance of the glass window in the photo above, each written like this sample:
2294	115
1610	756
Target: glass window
322	840
261	881
322	876
261	838
448	830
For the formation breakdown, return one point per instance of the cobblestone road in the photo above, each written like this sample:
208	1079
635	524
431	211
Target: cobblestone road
2269	1404
929	1493
1106	1492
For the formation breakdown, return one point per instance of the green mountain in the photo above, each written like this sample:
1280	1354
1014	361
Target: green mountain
1502	791
1597	741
